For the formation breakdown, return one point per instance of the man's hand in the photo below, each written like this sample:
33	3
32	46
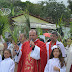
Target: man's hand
16	47
57	69
32	43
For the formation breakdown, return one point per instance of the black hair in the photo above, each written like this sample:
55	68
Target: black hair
55	33
8	51
48	40
41	39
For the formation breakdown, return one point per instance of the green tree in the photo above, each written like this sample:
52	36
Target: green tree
71	29
4	4
55	10
70	5
50	9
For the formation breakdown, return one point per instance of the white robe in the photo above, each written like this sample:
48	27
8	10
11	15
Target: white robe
52	63
0	58
69	59
58	44
35	54
67	50
7	65
20	46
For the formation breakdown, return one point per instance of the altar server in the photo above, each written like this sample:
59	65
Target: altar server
7	65
56	62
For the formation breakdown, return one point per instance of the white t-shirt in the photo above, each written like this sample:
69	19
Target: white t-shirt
7	65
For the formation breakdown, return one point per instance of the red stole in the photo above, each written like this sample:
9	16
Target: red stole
50	48
28	64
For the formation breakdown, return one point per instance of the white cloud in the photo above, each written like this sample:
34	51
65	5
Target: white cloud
35	1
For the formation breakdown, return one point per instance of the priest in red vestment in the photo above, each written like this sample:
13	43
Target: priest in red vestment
33	56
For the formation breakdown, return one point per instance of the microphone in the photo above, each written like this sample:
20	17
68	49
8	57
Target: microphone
31	40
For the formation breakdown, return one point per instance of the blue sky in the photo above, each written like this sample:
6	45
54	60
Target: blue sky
35	1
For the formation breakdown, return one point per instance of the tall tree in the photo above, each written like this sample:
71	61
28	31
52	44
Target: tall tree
70	5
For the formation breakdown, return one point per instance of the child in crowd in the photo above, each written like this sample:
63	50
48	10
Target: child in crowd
0	58
56	62
1	51
7	65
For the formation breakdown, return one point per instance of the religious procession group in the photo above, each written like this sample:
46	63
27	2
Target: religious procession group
34	55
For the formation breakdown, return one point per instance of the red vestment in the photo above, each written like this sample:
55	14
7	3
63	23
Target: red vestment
28	64
50	48
71	69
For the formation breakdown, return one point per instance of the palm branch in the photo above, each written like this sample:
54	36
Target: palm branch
39	31
15	34
24	29
26	14
3	22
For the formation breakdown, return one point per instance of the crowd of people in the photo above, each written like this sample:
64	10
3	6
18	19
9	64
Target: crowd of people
33	55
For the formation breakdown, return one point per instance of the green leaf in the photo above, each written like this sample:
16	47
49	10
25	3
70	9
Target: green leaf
13	11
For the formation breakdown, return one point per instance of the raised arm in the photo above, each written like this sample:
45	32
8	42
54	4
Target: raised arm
18	53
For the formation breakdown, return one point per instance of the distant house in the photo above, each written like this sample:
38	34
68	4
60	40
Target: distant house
35	22
38	22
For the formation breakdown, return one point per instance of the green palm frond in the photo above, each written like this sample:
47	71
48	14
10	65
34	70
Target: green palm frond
27	20
13	13
56	25
70	28
39	31
6	29
26	14
15	33
3	22
60	21
24	29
